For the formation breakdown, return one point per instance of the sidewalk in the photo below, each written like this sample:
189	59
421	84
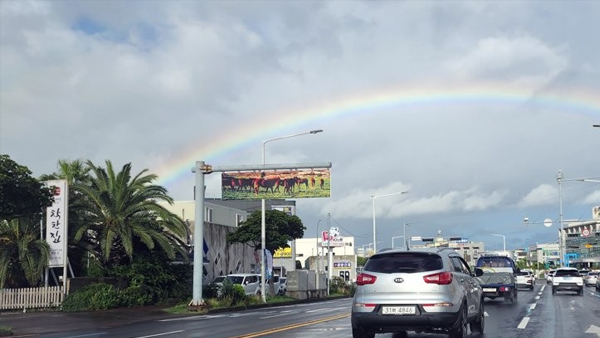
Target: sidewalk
33	323
27	324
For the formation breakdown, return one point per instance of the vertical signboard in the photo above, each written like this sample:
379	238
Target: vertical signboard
56	223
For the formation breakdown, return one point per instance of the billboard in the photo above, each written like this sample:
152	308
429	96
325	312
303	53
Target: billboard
56	223
276	184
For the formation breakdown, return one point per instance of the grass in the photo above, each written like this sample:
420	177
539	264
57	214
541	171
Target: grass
5	330
213	304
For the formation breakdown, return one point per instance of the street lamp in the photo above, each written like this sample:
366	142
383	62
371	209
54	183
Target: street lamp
317	258
395	238
373	197
263	223
560	179
503	240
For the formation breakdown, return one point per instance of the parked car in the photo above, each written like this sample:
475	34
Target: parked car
567	279
424	290
249	281
598	285
591	278
525	279
282	285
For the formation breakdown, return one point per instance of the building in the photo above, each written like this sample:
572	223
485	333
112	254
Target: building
582	241
546	254
470	251
313	254
220	258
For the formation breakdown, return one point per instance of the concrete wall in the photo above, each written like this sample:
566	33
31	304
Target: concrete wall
224	258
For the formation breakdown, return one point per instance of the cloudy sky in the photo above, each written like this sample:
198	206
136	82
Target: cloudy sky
473	107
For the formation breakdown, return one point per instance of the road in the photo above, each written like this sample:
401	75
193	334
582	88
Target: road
536	314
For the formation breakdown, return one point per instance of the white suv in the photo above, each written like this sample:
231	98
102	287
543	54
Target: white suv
567	279
424	290
249	281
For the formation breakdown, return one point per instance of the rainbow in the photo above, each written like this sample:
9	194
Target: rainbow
577	100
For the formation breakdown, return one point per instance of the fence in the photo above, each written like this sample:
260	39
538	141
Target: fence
31	298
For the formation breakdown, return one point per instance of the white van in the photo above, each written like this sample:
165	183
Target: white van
249	281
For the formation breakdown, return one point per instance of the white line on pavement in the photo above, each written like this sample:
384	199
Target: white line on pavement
523	323
161	334
281	314
532	306
537	297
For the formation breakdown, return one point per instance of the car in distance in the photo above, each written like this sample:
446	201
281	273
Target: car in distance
567	279
525	279
591	278
424	290
549	276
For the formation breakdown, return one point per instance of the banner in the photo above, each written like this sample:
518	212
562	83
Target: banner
56	223
276	184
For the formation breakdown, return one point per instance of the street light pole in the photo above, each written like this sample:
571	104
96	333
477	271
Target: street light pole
503	241
373	197
263	212
395	238
317	257
560	179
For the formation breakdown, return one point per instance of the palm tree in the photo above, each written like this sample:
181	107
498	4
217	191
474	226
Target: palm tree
24	255
119	211
74	171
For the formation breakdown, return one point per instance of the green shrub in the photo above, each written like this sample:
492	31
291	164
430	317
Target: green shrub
100	296
339	286
234	293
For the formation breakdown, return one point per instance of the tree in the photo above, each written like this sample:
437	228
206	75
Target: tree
120	211
20	194
280	228
24	255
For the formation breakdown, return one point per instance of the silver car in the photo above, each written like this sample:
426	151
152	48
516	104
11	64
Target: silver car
424	290
591	278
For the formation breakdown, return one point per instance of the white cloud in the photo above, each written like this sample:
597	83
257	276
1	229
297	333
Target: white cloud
543	194
592	198
523	60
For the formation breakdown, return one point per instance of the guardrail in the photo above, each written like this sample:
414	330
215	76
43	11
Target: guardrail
31	298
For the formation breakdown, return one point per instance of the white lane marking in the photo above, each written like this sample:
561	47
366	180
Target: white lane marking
284	313
317	310
532	306
543	287
523	323
160	334
537	297
485	314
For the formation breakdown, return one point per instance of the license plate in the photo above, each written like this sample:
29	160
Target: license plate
398	310
489	290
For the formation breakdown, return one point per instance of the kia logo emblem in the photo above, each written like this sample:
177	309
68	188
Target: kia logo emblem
398	280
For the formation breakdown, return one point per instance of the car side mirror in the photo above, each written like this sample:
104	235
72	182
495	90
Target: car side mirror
478	272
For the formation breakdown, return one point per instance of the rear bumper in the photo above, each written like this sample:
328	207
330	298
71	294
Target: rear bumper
567	287
424	321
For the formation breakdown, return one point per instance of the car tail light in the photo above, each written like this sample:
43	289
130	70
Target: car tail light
442	278
365	279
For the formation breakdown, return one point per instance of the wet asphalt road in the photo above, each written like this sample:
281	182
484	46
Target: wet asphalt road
536	314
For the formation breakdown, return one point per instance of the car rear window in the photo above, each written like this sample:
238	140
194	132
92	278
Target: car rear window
406	262
572	273
495	262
